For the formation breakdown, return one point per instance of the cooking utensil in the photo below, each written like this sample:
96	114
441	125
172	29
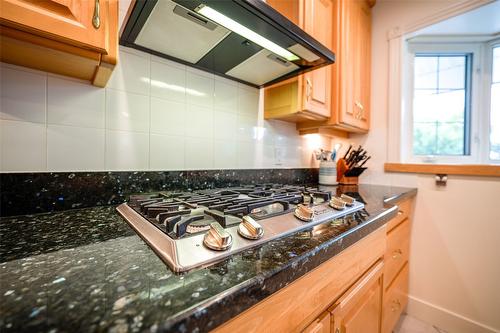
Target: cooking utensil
347	152
365	161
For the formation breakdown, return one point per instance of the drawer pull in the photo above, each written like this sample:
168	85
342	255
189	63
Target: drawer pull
396	305
337	330
400	212
397	254
96	19
309	88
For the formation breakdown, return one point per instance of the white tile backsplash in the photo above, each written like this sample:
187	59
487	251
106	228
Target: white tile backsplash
127	150
199	122
225	154
225	125
199	89
74	103
132	72
72	148
168	81
22	146
23	95
154	115
167	152
225	95
127	111
248	100
168	117
199	153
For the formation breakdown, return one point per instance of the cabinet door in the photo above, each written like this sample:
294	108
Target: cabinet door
320	325
316	85
359	310
70	21
356	67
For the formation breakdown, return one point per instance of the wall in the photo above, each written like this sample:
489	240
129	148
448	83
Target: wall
454	270
153	115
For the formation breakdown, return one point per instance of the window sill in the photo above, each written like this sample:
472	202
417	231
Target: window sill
487	170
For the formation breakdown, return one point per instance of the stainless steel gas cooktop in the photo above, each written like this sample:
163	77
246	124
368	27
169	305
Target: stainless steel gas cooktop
194	229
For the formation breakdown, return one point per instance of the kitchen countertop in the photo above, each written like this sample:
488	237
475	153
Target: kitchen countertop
87	270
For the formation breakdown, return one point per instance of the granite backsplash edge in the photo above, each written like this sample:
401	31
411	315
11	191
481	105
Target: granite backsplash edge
30	193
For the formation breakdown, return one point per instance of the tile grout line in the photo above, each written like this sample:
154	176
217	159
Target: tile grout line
46	122
105	128
149	129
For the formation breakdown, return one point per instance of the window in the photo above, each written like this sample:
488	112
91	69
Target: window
441	93
494	152
451	102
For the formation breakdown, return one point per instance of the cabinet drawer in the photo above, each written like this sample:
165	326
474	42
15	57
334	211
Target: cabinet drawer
397	253
404	209
395	300
320	324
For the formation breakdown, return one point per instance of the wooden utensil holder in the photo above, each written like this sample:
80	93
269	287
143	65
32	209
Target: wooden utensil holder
343	169
348	180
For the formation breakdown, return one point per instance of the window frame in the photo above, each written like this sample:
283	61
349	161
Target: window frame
475	100
488	81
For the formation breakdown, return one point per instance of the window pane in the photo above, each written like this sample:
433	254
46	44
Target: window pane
495	120
424	139
443	105
425	72
496	64
451	72
439	111
450	138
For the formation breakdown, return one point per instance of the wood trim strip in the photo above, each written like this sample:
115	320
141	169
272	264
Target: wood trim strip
486	170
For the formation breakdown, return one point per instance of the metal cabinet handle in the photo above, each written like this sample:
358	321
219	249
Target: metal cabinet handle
400	212
396	305
309	88
96	19
397	254
361	109
359	105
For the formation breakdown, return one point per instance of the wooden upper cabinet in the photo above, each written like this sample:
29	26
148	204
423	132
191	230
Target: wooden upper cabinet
354	66
317	84
351	73
308	96
78	38
68	20
360	308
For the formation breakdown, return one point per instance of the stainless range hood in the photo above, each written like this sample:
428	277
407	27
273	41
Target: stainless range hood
244	40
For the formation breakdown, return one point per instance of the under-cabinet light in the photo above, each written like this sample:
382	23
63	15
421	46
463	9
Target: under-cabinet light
243	31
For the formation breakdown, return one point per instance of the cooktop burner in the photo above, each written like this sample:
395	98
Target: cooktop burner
191	229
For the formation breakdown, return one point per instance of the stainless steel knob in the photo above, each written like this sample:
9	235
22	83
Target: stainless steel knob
337	203
217	238
250	229
349	201
304	213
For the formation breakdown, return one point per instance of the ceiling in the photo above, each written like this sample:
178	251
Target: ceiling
484	20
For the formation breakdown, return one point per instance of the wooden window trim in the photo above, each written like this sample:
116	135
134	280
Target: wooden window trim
486	170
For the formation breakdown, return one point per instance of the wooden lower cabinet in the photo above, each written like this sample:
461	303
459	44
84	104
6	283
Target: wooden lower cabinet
396	271
359	310
302	304
395	300
321	325
364	289
398	251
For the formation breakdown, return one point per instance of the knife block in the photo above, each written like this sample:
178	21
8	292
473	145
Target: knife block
348	180
343	170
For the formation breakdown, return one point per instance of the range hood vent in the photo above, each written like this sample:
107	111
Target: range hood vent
243	40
